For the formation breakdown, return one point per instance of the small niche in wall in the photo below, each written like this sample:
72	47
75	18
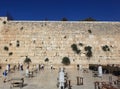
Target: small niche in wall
10	53
34	41
18	43
64	37
10	44
111	46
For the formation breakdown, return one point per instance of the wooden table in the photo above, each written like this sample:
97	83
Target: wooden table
107	86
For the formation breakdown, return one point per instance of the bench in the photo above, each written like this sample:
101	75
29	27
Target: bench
16	82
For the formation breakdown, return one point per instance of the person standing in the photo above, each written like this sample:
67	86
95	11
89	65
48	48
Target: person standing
8	68
21	67
27	72
5	75
51	67
37	67
18	67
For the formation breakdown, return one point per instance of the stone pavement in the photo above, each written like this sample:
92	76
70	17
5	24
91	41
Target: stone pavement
47	79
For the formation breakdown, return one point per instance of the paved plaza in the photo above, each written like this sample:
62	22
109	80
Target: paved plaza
47	79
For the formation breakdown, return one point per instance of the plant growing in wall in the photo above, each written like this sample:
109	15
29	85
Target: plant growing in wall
4	22
21	28
105	48
89	54
27	60
89	31
6	48
75	49
46	60
81	44
66	61
88	50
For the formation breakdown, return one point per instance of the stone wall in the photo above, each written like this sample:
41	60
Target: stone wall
53	39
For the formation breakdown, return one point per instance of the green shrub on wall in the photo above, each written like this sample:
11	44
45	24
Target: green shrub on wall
105	48
88	49
46	60
27	60
89	54
4	22
6	48
75	49
66	61
21	28
90	31
81	44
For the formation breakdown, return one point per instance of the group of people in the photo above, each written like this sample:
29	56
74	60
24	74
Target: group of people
20	67
8	69
36	68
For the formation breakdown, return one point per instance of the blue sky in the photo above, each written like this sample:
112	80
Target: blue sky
102	10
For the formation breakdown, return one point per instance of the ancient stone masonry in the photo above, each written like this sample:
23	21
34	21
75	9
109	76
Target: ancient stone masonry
54	39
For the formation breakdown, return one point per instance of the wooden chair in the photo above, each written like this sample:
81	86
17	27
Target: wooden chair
16	82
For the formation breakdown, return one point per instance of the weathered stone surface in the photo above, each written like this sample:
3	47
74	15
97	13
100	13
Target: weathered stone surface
53	40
